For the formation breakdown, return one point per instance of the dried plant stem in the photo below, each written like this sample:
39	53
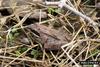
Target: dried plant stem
21	59
80	14
62	3
23	20
18	57
71	58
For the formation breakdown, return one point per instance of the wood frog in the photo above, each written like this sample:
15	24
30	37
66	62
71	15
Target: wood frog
51	38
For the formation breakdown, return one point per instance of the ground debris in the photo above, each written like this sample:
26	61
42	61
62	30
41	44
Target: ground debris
36	14
97	5
8	3
22	7
51	38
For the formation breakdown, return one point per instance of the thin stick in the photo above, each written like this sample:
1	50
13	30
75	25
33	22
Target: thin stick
18	57
80	14
21	59
62	3
71	58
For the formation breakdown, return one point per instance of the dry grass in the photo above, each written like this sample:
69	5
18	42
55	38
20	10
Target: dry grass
84	45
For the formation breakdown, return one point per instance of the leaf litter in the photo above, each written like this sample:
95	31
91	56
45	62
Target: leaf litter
49	36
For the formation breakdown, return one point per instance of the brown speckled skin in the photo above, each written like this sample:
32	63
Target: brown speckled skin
51	38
